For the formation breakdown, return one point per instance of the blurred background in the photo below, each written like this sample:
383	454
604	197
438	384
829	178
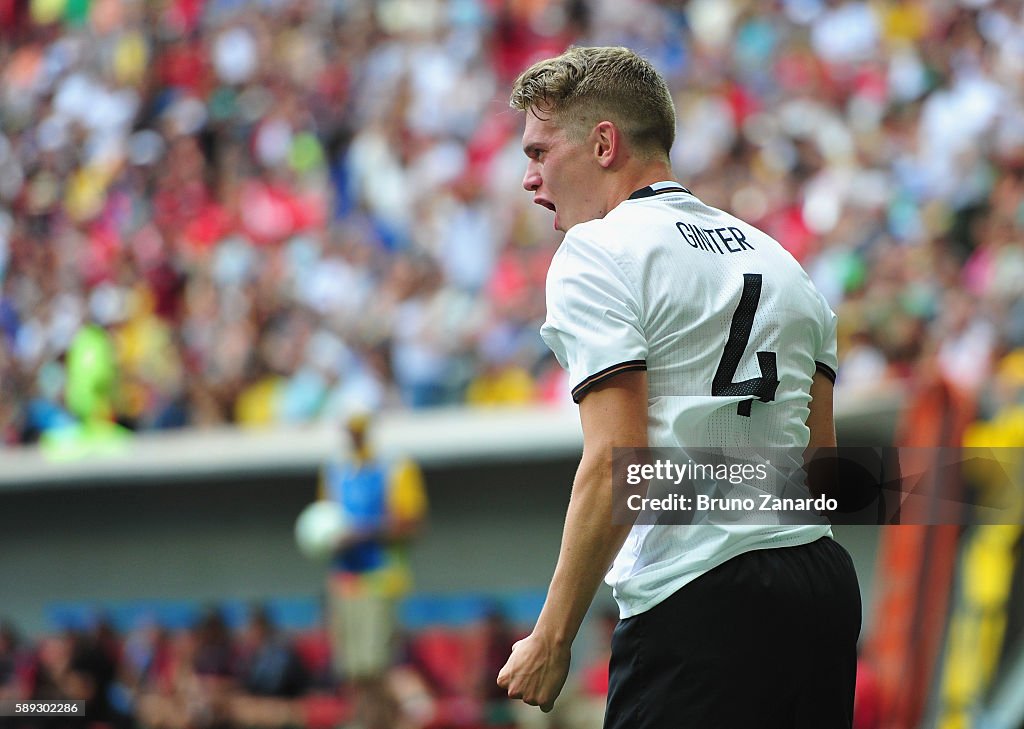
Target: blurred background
227	224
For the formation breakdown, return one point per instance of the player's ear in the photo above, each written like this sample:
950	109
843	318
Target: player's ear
607	142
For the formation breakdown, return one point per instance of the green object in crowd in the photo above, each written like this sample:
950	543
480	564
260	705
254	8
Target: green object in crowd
83	440
223	104
91	372
306	153
853	272
76	12
89	395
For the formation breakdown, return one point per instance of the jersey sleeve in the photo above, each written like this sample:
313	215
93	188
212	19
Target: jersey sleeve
826	361
593	323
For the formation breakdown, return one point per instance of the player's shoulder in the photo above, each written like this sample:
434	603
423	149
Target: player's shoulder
592	254
598	240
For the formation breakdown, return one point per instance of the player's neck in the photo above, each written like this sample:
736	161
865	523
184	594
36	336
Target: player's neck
636	177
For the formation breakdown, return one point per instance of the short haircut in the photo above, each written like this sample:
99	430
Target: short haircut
584	86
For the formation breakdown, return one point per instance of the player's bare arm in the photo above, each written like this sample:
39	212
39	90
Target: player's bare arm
821	421
613	415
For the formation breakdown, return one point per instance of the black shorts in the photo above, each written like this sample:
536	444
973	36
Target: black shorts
767	639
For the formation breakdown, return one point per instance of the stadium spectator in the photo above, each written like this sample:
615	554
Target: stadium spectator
196	683
145	661
213	652
13	663
268	664
93	666
385	504
270	674
499	637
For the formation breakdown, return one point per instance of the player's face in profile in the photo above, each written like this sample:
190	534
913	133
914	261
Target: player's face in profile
558	173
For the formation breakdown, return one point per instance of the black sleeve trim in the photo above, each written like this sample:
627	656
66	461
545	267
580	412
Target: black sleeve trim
581	389
825	370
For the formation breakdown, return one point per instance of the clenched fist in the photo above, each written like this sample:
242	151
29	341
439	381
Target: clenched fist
536	671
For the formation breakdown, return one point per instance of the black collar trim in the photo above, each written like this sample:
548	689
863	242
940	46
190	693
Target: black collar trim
650	191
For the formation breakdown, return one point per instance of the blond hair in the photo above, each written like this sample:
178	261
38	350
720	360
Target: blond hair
584	86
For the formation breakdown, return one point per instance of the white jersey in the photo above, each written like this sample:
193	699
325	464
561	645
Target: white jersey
730	330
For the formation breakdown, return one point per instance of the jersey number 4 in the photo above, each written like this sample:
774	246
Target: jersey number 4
762	387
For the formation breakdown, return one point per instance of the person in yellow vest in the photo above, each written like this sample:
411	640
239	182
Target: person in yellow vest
385	505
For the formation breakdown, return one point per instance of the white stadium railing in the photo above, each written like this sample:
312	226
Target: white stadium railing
440	437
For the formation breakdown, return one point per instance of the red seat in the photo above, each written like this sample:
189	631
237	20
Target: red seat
445	659
314	650
321	711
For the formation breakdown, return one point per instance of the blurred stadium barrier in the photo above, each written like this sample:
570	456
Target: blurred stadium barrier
440	436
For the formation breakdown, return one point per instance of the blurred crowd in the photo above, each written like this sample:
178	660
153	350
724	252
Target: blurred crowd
216	674
152	676
280	210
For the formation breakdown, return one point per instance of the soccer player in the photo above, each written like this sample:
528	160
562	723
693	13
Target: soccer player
679	325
